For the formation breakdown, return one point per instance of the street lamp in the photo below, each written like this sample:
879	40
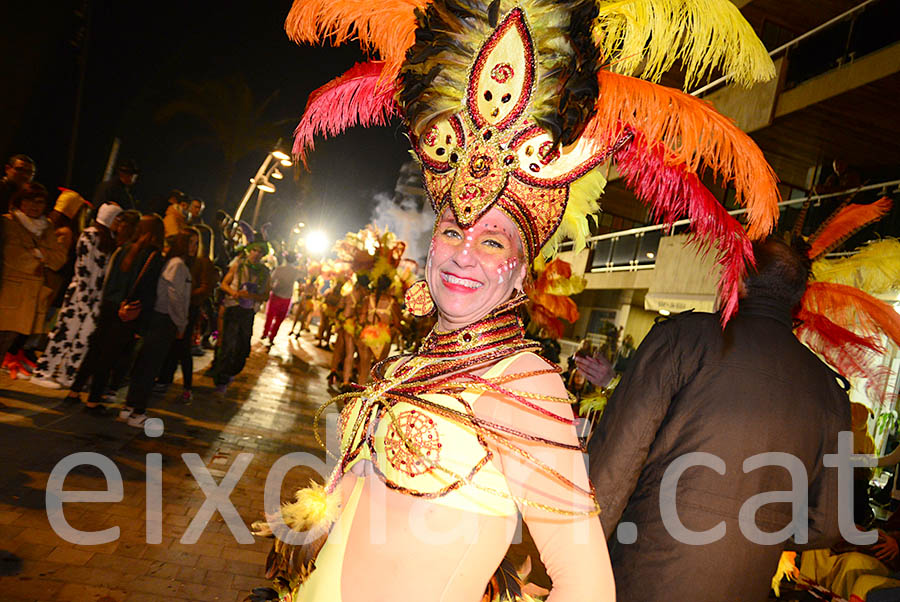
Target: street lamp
317	242
261	181
264	186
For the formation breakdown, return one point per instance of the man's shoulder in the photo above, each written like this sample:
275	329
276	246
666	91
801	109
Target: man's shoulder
688	321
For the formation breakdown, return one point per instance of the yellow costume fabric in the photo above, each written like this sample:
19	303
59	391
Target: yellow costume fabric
431	435
325	581
484	492
848	574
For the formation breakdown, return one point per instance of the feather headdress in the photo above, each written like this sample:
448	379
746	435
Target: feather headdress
844	223
371	252
514	104
874	268
839	318
550	296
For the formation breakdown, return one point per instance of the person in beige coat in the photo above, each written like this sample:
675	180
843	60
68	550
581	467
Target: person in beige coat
29	248
175	221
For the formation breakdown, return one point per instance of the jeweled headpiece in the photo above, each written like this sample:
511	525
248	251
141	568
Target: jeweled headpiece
516	104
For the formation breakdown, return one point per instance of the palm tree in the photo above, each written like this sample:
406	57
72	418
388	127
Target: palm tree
234	122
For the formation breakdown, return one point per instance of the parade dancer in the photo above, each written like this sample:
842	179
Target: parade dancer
503	106
246	285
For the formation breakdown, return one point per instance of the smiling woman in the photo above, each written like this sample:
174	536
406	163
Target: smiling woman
471	271
445	449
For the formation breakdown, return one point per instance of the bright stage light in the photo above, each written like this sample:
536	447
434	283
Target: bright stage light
280	155
317	242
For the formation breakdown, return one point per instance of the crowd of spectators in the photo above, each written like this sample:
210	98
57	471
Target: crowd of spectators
83	281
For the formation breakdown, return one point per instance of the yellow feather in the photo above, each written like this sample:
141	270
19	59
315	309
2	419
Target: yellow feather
786	568
875	268
312	510
583	197
644	38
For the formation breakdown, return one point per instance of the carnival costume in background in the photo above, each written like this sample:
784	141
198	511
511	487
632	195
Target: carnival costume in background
507	108
283	279
840	319
379	318
331	298
131	280
247	285
68	343
550	299
304	306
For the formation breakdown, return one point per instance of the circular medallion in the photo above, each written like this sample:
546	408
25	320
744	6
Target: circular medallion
548	153
502	73
420	431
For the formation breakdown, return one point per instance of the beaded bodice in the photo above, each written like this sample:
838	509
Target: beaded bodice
417	424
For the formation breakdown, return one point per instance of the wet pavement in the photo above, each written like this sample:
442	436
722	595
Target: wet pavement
267	412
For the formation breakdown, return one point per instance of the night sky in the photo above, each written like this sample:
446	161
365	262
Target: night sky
138	56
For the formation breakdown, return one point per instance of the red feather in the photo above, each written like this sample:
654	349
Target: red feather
852	355
695	134
845	223
359	97
853	309
673	192
850	338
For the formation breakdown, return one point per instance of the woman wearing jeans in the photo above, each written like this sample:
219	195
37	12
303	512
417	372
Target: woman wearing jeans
203	281
167	322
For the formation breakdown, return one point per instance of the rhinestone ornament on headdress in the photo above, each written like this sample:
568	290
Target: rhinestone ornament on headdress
517	104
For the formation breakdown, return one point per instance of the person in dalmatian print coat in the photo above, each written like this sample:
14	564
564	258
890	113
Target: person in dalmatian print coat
68	342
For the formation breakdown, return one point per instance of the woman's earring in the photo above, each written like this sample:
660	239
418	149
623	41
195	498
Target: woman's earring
418	299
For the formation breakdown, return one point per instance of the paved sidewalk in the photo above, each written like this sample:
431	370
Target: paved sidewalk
267	412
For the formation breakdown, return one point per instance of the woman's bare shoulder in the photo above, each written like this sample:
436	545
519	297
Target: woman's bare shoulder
533	379
537	375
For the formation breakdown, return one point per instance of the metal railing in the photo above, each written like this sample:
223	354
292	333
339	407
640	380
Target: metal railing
849	14
637	247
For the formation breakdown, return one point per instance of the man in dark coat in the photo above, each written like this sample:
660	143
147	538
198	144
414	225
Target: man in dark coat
117	189
731	395
18	172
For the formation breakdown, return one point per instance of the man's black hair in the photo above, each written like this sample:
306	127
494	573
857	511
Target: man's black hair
781	272
128	166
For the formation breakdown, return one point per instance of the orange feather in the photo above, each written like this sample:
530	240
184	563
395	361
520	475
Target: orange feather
853	309
387	27
845	223
697	136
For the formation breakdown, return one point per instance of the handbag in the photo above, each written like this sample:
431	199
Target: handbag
131	310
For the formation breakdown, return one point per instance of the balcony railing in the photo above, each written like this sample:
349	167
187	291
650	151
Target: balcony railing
863	29
636	248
